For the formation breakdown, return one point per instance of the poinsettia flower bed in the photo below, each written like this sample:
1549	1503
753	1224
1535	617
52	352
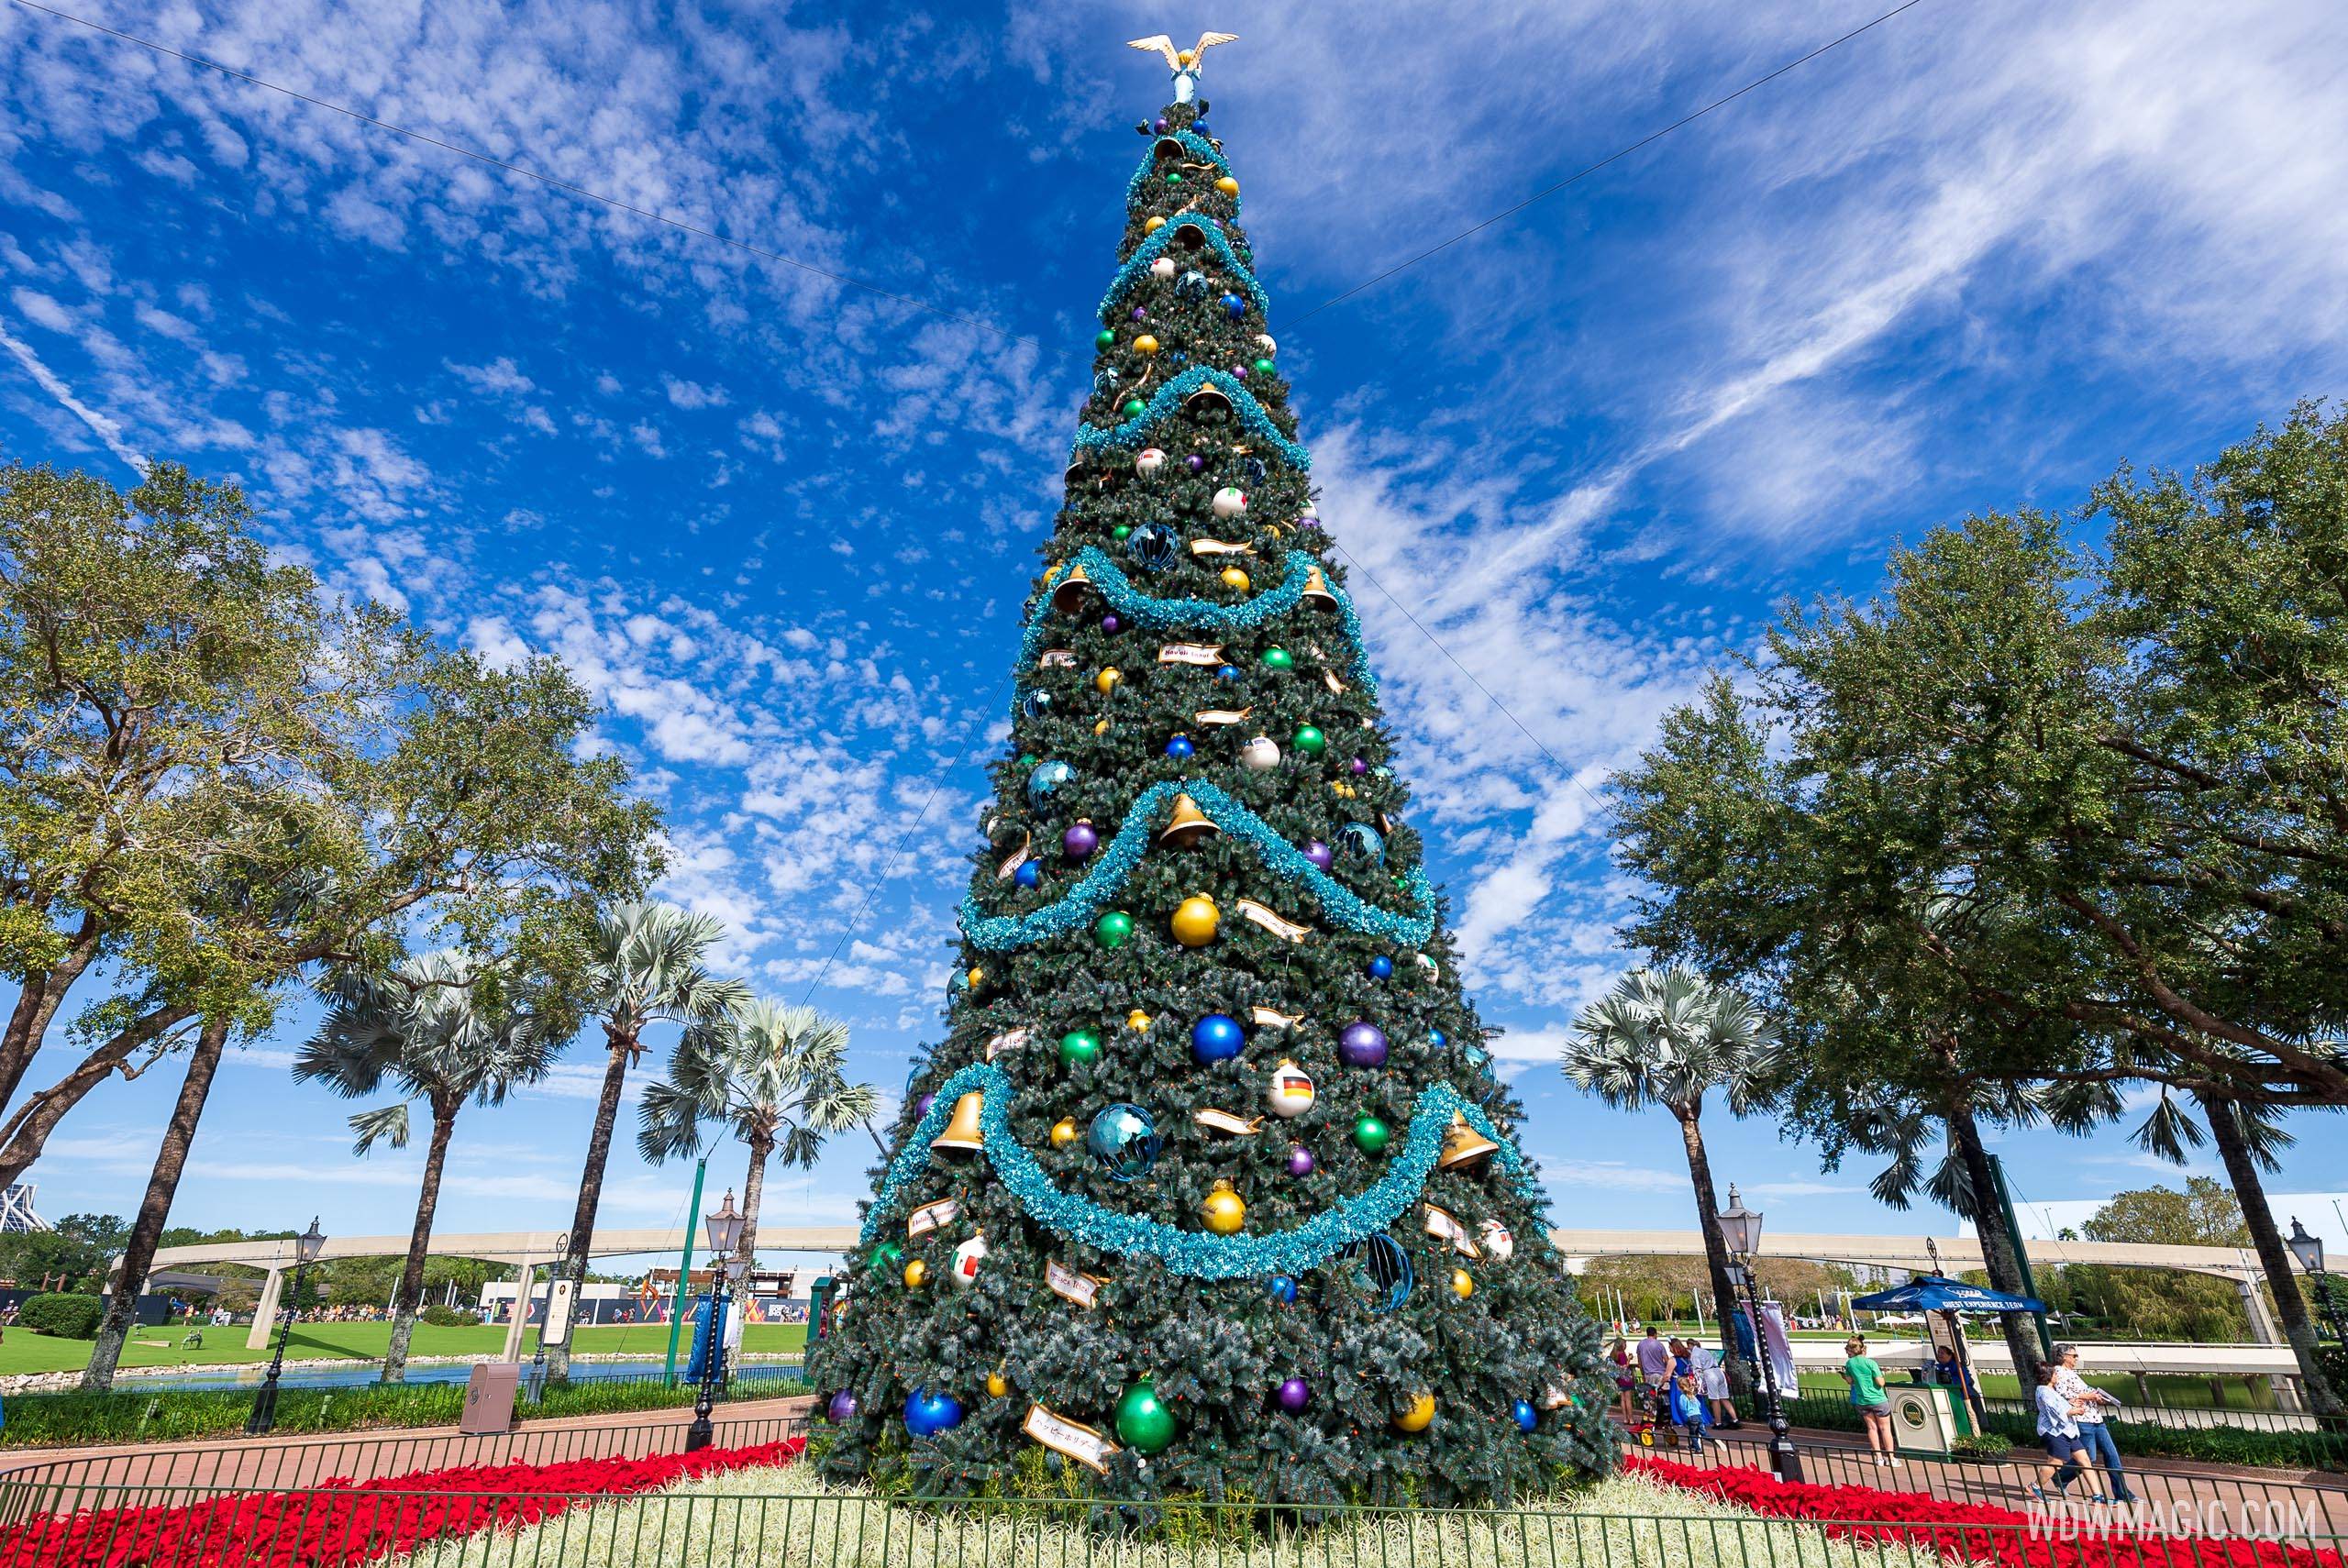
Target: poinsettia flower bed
1975	1532
342	1522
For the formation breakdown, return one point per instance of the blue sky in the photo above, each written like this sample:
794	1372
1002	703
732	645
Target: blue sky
1971	259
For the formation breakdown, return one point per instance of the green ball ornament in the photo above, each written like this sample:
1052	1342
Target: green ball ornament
1263	367
1107	339
1028	760
1310	740
1371	1136
1144	1423
1173	176
1278	658
1079	1045
1136	408
1112	929
887	1256
1122	531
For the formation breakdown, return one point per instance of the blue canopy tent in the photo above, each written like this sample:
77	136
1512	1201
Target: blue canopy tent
1937	1293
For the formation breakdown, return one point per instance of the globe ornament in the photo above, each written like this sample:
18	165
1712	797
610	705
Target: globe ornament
1310	740
1123	1137
1419	1416
1080	842
1045	780
1063	1132
1283	1290
1152	546
1262	752
1113	929
1196	920
1371	1136
1362	1044
1222	1212
1527	1418
1163	268
929	1413
1294	1394
1148	462
1218	1037
1381	1270
1029	875
1190	285
1035	705
842	1409
1229	501
1278	658
1290	1094
1360	843
1079	1045
1144	1423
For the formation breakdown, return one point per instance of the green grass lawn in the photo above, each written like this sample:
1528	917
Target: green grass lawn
23	1351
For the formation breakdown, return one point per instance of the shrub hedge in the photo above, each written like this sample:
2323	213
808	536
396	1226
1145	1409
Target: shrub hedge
442	1317
66	1316
2215	1445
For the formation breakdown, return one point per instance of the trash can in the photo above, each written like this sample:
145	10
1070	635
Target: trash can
489	1398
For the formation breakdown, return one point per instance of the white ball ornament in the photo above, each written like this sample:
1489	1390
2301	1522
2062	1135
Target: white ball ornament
1264	341
1229	501
1162	268
967	1259
1149	462
1496	1240
1290	1094
1261	753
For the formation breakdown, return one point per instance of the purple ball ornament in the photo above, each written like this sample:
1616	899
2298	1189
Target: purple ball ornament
1294	1394
1158	126
1196	463
1080	842
1310	519
1363	1045
1239	371
1300	1160
842	1409
1359	766
1111	625
1140	315
1320	855
921	1106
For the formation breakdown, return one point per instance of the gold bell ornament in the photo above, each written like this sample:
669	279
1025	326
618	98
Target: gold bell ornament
1196	920
1070	593
1223	1211
962	1130
1190	825
1419	1416
1063	1132
1464	1148
1316	590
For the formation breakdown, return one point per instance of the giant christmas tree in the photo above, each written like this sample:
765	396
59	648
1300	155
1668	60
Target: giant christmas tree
1209	1188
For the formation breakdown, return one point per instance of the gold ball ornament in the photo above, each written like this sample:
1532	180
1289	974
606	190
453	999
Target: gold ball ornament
1106	681
1462	1285
1063	1132
1145	344
1227	185
1099	726
916	1274
1419	1416
1233	578
1137	1020
1153	226
978	977
1196	920
997	1385
1223	1210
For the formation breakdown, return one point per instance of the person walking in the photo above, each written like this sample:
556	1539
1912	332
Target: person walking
1654	1372
2058	1429
2094	1404
1712	1377
1867	1397
1625	1379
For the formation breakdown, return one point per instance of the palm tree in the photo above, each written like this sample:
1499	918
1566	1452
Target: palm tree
446	1030
776	1073
1667	1038
645	965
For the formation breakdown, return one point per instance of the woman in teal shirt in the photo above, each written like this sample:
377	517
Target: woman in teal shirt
1866	1378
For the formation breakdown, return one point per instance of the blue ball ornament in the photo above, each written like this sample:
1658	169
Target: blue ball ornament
1436	1038
928	1414
1235	305
1527	1418
1380	967
1029	875
1045	780
1218	1037
1228	672
1283	1290
1152	546
1179	749
1123	1137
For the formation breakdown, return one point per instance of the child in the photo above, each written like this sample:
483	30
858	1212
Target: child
1688	1412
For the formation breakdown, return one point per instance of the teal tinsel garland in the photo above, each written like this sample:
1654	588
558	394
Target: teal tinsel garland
1092	437
1194	1254
1115	864
1192	143
1148	249
1153	615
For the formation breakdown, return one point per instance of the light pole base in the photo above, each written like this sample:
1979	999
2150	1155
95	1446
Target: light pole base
264	1416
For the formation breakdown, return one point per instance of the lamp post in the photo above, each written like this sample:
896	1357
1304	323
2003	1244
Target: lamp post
725	1227
2308	1250
1741	1233
306	1247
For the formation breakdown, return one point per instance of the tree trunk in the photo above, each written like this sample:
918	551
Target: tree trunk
138	1249
419	1242
2274	1257
754	1184
26	1133
591	1191
39	996
1708	1224
1998	1255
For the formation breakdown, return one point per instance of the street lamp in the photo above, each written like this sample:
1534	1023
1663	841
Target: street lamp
1741	1234
2308	1250
723	1224
306	1247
